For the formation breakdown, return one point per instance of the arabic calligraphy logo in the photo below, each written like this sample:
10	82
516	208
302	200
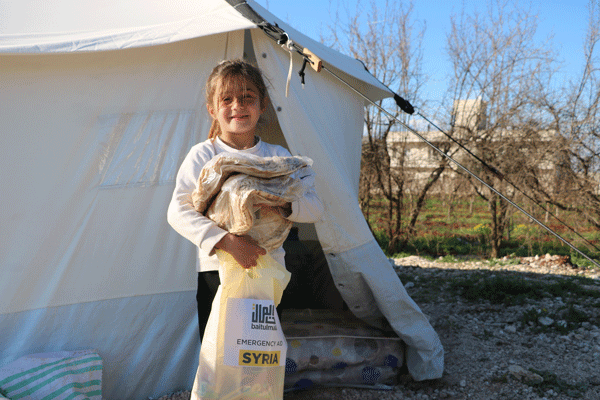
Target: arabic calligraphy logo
263	317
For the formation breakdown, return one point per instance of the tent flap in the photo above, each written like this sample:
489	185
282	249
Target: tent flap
331	135
372	289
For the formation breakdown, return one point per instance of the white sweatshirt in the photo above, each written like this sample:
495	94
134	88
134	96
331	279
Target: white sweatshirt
202	231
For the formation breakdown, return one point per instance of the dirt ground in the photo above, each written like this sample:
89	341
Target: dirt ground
539	347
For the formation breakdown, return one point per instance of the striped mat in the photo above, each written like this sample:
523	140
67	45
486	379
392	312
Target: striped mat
66	375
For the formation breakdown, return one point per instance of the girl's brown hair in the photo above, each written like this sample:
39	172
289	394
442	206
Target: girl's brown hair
228	74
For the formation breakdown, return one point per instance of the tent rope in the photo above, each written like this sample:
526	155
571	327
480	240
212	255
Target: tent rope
448	157
282	38
289	47
502	177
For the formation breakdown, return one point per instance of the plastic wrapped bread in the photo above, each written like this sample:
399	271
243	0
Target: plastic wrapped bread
230	187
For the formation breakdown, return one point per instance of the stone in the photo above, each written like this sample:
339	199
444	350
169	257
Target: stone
524	375
546	321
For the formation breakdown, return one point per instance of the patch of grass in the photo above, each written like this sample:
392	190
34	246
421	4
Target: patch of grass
574	286
432	246
448	259
500	379
572	315
502	262
446	242
583	262
532	316
507	290
514	289
465	229
563	322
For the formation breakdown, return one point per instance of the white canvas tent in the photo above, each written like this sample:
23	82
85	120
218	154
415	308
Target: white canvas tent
99	103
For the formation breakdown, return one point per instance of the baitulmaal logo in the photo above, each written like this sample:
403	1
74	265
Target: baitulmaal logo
263	317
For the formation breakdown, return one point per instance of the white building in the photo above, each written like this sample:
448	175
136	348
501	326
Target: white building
469	122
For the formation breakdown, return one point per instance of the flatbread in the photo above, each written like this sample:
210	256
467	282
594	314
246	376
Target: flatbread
231	185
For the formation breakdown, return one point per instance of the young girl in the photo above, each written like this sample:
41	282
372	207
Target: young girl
236	97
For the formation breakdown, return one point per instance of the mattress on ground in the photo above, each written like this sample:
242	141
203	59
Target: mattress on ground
334	348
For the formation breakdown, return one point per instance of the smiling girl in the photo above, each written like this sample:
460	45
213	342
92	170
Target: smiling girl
236	97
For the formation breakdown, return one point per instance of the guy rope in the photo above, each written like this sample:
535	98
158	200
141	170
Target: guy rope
282	38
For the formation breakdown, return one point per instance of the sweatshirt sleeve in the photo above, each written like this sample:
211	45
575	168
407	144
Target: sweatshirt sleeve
182	215
309	208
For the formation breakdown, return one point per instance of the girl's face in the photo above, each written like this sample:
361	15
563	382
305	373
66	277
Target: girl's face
237	110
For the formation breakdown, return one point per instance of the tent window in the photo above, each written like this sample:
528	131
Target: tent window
144	149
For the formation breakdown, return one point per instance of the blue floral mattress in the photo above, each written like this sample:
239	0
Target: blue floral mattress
334	348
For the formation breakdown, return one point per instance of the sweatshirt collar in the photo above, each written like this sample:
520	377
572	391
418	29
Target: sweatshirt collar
223	147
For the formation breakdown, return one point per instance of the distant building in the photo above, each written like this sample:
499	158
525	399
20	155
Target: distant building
469	114
469	120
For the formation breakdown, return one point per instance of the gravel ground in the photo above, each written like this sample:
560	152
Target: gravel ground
544	345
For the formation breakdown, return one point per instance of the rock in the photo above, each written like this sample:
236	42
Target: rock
524	375
546	321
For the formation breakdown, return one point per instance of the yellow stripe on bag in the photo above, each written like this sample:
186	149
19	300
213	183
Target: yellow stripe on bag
256	358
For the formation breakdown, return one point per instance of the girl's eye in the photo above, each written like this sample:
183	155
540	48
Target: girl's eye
246	99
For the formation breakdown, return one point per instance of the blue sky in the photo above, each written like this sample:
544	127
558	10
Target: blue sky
565	19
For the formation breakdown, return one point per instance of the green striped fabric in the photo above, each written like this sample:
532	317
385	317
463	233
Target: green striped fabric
75	375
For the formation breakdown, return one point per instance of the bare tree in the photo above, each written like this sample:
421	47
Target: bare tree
389	43
502	71
575	112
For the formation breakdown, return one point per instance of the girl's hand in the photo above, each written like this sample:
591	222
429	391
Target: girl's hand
244	249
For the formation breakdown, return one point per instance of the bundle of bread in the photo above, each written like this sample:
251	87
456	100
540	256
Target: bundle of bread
231	187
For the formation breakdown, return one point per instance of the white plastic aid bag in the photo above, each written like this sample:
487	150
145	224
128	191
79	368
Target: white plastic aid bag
243	350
